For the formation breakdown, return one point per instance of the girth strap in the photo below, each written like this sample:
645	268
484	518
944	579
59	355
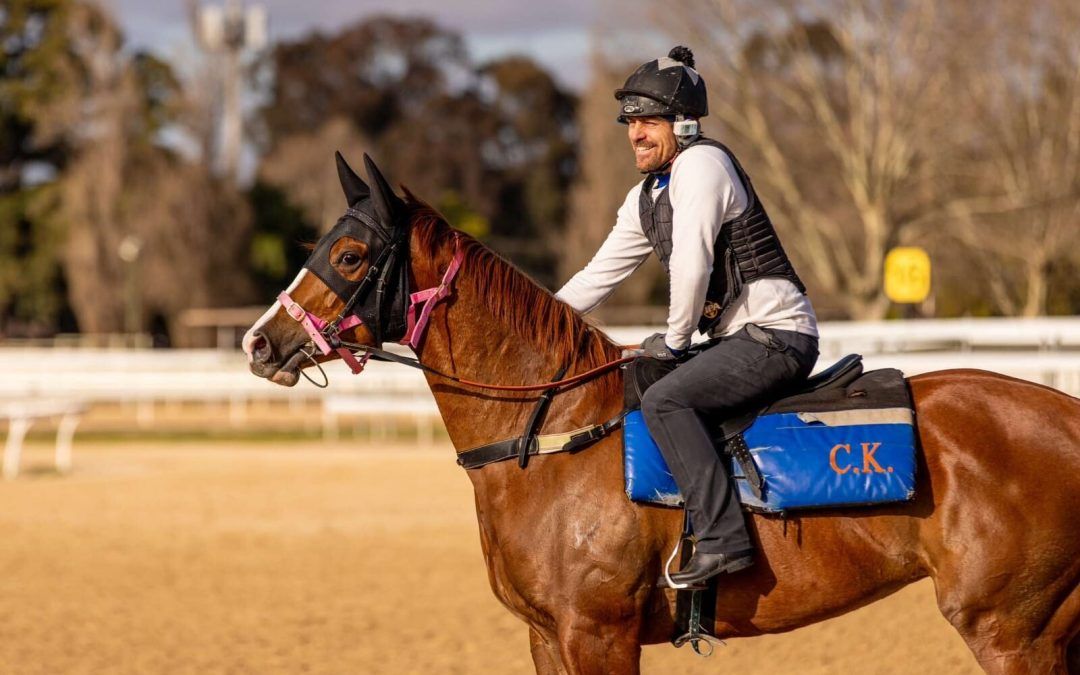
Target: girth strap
544	444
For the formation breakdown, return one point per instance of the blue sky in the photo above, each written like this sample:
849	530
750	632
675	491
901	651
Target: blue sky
554	32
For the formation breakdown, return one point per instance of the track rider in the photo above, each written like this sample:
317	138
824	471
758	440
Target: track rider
729	278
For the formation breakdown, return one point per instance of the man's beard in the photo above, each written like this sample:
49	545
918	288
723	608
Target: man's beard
654	162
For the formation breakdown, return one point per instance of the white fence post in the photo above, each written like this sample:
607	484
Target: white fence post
17	428
65	432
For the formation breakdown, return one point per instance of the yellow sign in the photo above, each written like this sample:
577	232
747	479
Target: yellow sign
907	274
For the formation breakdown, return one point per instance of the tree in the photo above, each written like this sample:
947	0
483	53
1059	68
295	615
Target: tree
492	146
1023	98
40	77
535	142
275	249
39	80
108	188
370	73
301	165
841	111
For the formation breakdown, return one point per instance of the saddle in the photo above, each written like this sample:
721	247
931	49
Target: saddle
642	373
840	438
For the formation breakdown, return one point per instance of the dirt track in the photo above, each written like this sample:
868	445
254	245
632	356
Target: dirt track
299	558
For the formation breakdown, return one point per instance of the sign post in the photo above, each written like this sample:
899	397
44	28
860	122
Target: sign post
907	275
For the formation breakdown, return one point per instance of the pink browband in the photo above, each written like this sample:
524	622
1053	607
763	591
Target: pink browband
415	325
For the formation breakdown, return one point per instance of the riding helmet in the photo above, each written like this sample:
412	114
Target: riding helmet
665	86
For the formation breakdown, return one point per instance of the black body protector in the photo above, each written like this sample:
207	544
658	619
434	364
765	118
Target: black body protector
746	249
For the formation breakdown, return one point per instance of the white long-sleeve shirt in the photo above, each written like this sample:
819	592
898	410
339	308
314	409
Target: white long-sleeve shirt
705	193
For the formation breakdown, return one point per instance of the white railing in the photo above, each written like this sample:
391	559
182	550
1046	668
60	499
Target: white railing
145	378
1040	350
884	337
21	414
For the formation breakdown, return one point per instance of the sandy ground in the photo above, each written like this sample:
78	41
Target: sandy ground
308	558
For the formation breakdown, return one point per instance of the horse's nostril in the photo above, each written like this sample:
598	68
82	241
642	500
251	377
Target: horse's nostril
260	348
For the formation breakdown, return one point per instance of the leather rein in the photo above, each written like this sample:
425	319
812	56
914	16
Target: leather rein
326	338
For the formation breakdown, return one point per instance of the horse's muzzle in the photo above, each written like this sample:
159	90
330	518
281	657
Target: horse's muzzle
264	363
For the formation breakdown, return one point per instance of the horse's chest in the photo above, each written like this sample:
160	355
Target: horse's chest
514	574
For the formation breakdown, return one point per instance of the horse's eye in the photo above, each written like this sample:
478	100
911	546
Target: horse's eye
349	259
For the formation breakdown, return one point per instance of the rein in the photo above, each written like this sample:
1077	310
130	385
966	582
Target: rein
325	337
383	355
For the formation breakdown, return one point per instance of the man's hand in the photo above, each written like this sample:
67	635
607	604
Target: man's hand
657	348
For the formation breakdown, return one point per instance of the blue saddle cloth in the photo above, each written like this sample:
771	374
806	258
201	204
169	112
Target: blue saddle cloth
823	449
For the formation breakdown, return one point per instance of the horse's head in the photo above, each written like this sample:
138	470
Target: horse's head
354	285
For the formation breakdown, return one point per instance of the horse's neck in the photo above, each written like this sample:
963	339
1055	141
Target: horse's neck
464	339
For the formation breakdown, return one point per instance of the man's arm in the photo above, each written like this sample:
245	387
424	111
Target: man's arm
705	191
621	253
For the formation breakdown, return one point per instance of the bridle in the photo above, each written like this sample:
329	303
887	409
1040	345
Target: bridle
326	336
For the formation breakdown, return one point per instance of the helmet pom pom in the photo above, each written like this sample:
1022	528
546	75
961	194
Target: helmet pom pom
683	55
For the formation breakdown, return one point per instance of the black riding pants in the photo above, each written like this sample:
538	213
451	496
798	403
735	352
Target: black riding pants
743	369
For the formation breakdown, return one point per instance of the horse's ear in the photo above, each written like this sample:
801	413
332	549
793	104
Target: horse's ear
387	204
356	190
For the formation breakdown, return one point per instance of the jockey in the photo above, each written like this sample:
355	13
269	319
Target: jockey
729	278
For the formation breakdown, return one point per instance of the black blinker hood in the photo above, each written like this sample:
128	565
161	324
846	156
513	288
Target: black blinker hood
374	217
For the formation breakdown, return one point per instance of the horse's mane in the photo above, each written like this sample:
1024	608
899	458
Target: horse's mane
531	311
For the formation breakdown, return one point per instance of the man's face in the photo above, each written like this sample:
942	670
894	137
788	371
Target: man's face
653	140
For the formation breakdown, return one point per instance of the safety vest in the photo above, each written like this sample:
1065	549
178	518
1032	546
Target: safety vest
746	249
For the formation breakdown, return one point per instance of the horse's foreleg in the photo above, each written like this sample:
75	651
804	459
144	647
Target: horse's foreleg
1008	641
590	647
545	655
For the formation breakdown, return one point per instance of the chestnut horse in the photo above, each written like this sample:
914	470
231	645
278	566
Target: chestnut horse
994	522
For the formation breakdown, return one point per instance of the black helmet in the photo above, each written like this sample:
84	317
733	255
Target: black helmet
664	86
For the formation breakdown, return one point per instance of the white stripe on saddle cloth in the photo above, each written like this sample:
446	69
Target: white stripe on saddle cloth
848	418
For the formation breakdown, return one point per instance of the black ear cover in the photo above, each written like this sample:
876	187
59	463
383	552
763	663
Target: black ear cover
388	206
354	187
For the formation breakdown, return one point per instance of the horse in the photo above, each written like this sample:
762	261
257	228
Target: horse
993	521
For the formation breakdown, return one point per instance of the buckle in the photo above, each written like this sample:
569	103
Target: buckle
296	317
590	435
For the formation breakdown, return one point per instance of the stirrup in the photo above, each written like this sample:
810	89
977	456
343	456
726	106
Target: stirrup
703	644
667	570
696	640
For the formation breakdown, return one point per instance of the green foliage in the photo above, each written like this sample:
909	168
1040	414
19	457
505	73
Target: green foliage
280	231
30	237
37	77
55	113
39	82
